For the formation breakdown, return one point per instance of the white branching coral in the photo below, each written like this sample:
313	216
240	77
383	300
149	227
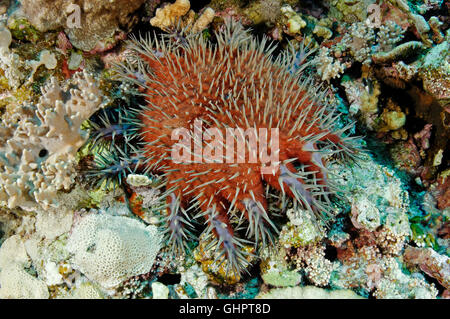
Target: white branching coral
327	67
38	147
111	249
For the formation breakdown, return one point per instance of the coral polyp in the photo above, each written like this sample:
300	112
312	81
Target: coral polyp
228	87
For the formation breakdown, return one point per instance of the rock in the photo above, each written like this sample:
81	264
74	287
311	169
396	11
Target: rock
90	25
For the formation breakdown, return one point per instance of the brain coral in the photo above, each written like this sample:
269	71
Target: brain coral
231	86
111	249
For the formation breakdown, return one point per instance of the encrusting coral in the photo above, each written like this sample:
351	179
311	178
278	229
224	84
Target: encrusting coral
15	281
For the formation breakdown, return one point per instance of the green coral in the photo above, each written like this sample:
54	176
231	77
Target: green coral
283	278
275	271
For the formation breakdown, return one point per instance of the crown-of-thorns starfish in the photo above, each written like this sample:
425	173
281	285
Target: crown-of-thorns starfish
234	83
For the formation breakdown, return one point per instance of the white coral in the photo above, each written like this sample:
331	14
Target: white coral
37	153
111	249
15	281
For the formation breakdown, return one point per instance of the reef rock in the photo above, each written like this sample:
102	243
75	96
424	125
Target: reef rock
90	24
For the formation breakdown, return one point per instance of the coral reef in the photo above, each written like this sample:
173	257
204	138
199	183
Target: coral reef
100	198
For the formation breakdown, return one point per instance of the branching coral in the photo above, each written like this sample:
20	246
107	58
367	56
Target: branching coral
38	147
389	35
360	40
327	67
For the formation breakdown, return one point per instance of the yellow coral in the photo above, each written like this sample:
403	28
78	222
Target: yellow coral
170	15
